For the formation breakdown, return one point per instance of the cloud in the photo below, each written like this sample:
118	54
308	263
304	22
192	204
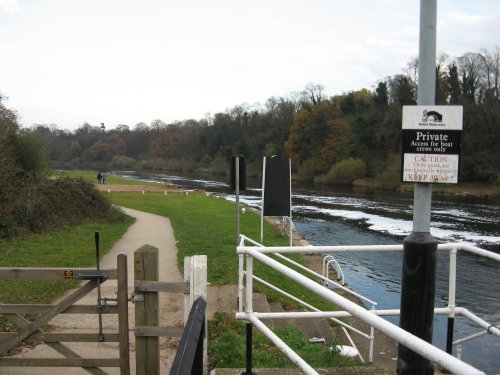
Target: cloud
73	61
10	6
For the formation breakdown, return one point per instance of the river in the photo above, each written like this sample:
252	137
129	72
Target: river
346	216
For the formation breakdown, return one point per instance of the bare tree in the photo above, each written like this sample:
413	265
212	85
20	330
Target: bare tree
491	73
470	67
314	93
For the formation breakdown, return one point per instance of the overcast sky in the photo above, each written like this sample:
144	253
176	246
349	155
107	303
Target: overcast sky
65	62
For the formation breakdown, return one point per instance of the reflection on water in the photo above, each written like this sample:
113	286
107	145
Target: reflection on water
332	216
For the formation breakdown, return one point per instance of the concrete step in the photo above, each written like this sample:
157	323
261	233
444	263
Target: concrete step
311	328
261	304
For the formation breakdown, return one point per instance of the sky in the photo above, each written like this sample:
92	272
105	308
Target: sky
67	62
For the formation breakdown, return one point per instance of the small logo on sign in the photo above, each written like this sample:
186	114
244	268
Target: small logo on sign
432	116
69	274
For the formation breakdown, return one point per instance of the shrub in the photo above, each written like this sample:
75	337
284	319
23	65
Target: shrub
344	172
305	173
46	204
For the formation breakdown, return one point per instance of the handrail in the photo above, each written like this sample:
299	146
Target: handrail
302	249
372	317
336	266
364	248
326	279
311	307
400	335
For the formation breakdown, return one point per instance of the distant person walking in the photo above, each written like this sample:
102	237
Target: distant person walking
104	177
99	177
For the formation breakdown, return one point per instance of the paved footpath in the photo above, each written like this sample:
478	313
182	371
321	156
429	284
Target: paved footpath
148	229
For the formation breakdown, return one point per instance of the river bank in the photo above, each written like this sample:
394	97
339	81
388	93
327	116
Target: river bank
461	189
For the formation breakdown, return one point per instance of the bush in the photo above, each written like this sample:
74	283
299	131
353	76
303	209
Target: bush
46	204
305	173
123	162
344	172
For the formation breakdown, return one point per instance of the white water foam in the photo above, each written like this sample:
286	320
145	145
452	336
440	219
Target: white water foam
399	227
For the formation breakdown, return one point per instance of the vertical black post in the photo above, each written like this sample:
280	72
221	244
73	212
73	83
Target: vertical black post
417	299
449	336
96	238
249	340
98	267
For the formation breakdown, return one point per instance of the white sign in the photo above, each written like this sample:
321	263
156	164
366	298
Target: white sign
430	168
429	117
431	147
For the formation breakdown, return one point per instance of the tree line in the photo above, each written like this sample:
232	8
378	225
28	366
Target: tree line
353	136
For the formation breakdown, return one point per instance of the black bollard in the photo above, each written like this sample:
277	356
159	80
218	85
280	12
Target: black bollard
417	299
248	370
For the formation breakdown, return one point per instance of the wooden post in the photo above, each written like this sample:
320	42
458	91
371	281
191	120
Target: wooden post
147	312
123	315
195	272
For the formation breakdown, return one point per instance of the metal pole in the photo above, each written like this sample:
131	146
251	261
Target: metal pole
249	308
419	248
99	304
451	300
237	174
262	208
290	181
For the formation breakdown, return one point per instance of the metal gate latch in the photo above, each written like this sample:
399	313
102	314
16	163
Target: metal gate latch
136	297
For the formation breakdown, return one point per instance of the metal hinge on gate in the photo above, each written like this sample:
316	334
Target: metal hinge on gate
136	297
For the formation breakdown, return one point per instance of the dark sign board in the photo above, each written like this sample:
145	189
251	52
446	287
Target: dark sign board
277	187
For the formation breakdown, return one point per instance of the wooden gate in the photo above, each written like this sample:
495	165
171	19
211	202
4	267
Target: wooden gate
33	331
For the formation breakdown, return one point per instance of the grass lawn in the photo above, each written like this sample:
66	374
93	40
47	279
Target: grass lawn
67	247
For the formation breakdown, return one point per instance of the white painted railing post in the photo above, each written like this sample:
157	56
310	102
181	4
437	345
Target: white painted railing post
372	338
249	284
195	273
452	285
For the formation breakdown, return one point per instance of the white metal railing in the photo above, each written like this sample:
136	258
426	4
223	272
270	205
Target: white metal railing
247	253
327	262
